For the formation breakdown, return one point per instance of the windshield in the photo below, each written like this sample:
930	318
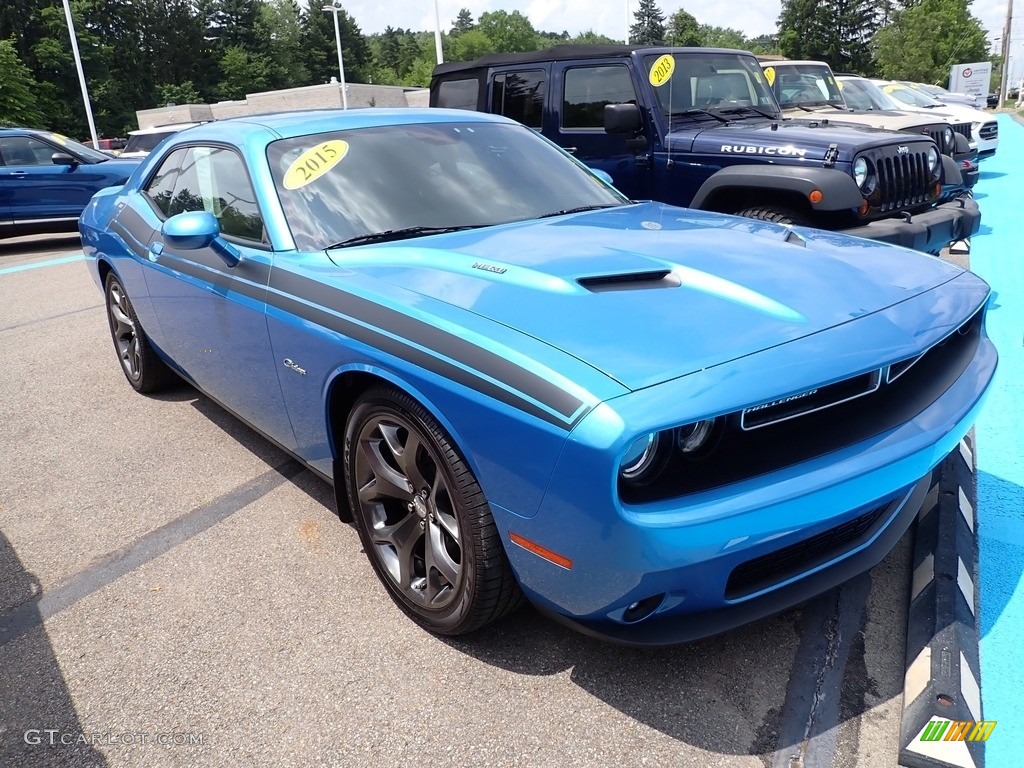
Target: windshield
909	96
713	82
339	186
865	95
803	84
145	142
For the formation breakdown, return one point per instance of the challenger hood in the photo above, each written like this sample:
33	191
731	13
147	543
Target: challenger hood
647	293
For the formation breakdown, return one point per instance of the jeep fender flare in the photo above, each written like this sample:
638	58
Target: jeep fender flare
839	192
951	171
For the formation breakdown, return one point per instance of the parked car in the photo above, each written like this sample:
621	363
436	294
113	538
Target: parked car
939	93
984	128
810	90
700	127
145	140
47	179
654	423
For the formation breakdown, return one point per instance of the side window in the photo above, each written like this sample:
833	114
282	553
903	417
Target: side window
214	179
24	150
161	188
586	91
458	94
520	96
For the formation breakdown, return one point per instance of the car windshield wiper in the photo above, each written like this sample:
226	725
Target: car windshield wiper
698	112
744	108
400	234
580	209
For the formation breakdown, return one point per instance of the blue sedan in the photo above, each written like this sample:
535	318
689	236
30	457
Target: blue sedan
47	179
652	423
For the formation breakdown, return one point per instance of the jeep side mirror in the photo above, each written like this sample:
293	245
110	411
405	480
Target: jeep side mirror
622	118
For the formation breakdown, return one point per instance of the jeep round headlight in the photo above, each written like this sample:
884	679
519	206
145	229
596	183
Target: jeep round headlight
947	138
642	458
933	159
860	171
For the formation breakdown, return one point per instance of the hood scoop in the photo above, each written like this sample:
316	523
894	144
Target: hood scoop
631	281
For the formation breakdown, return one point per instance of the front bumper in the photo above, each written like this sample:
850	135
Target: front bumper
929	231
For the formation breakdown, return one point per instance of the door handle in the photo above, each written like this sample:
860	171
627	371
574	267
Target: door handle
155	249
18	173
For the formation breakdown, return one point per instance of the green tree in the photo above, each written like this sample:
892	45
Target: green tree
470	45
508	32
926	39
763	44
18	90
836	31
592	38
320	51
721	37
650	25
683	29
178	93
463	22
241	73
279	36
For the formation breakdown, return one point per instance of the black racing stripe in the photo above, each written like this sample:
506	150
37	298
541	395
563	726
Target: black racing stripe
425	335
139	249
407	352
223	281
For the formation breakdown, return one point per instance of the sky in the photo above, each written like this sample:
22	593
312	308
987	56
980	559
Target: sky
609	17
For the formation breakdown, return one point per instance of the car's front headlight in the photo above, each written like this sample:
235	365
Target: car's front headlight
644	458
947	138
860	172
648	455
933	160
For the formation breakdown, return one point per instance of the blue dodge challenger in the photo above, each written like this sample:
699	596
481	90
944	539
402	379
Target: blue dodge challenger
651	422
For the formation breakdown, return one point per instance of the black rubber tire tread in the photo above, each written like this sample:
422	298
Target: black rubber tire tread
776	216
155	374
497	592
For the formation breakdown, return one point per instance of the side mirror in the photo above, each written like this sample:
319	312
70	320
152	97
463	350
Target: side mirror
193	230
622	118
63	158
603	176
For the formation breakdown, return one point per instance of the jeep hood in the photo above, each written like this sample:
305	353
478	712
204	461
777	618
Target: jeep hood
646	293
792	140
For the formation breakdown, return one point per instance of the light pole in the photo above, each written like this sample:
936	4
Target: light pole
337	39
437	34
81	75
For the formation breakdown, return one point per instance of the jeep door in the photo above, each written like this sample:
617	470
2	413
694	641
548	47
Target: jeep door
583	90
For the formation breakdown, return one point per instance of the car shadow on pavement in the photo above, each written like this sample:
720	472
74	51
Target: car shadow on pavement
27	246
38	721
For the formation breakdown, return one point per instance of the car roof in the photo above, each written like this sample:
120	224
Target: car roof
567	53
169	128
800	62
291	124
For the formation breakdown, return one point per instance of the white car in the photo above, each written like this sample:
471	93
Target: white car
143	141
939	93
984	128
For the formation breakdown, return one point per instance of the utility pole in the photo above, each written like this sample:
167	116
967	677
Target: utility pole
1003	84
81	75
341	65
437	34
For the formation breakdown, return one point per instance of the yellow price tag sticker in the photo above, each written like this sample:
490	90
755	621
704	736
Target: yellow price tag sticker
840	84
769	73
314	163
63	140
662	70
889	88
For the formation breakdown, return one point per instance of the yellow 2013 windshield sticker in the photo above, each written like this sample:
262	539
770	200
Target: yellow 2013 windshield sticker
769	73
662	70
314	163
59	139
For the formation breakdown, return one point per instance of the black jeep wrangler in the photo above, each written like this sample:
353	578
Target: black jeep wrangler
700	127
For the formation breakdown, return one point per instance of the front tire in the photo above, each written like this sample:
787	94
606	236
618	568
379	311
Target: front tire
141	365
422	517
776	215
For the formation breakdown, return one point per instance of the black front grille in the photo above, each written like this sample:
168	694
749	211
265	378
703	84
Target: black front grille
989	131
768	570
903	180
964	129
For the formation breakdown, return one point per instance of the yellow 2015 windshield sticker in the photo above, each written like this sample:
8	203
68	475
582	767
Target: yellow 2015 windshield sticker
662	70
769	73
314	163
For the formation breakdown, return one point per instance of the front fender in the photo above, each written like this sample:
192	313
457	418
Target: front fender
839	192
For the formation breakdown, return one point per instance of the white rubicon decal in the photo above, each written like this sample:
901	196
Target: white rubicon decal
745	149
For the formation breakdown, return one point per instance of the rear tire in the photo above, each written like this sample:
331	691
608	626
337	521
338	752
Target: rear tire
775	215
422	517
141	365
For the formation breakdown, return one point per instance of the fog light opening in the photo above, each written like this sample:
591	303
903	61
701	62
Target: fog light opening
641	609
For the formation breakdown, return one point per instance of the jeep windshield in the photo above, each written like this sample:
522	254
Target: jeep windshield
803	85
716	85
400	182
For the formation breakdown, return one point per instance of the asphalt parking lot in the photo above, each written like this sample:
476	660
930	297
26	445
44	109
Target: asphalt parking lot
176	591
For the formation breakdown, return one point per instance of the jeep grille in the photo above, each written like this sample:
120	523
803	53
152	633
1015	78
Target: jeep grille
903	180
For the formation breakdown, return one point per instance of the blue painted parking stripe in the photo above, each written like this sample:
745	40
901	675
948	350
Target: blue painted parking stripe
41	264
995	255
